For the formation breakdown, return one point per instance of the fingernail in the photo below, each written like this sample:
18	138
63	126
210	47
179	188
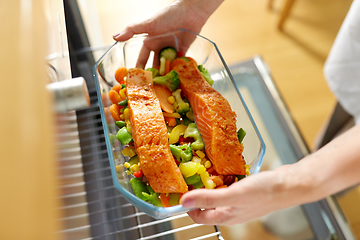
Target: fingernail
188	203
117	35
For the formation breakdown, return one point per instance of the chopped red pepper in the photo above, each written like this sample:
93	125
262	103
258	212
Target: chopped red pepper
177	162
180	54
138	174
183	140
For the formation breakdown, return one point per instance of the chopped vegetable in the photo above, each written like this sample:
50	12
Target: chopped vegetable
190	115
114	97
163	93
123	102
201	154
174	115
206	75
239	177
174	199
167	66
170	80
189	168
162	66
138	187
171	121
120	74
176	62
168	53
129	151
207	164
198	185
193	132
176	133
134	160
152	197
201	169
138	174
180	106
217	180
115	112
193	179
164	198
120	124
117	87
208	183
182	153
241	134
124	136
155	72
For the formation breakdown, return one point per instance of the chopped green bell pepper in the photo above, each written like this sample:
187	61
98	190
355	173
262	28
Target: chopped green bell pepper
124	136
193	131
193	179
241	134
182	153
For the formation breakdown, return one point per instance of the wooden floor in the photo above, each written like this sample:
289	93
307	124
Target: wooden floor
242	29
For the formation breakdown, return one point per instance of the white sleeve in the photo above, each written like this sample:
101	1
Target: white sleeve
342	67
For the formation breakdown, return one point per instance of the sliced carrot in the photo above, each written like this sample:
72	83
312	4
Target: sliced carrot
212	171
171	121
115	112
165	199
163	93
222	186
217	180
192	60
167	66
120	74
174	115
117	87
175	62
114	97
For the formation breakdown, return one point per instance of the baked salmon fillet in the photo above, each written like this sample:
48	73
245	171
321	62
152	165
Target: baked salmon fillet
150	134
215	120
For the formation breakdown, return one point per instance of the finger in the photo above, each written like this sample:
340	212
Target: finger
147	26
143	57
206	198
211	216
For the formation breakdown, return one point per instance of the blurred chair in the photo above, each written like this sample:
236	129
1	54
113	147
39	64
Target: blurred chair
284	12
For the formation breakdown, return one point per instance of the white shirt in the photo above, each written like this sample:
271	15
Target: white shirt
342	67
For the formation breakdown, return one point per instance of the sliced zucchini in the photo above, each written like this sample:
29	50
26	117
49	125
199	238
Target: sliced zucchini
168	53
185	59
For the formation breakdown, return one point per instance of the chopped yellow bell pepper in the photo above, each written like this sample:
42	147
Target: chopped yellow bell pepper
189	168
176	133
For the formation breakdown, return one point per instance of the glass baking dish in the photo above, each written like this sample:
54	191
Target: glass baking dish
205	52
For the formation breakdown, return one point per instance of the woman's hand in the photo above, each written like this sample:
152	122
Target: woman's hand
244	200
187	14
329	170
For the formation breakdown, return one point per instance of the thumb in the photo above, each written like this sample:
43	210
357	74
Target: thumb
207	198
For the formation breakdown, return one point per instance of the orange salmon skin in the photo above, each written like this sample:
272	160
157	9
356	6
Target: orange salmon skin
215	120
150	134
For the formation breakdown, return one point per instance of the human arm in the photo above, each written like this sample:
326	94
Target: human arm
187	14
334	167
